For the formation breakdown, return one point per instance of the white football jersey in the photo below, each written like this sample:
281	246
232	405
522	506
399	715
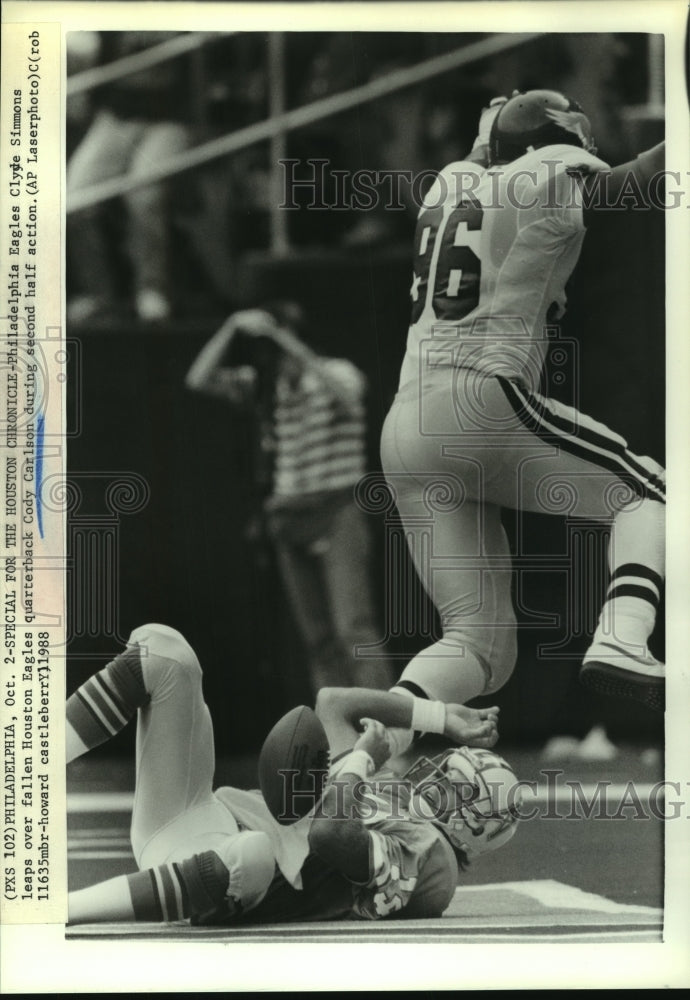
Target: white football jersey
493	251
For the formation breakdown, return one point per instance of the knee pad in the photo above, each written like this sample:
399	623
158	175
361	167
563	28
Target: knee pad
160	642
494	649
251	865
225	883
502	665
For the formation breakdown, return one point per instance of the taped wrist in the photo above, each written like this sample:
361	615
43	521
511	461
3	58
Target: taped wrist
428	716
360	763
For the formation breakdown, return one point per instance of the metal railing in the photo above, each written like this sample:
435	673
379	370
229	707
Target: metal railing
279	123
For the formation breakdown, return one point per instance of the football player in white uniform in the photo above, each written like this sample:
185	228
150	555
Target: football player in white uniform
218	855
469	433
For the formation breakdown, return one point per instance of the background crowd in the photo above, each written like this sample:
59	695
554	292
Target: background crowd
152	273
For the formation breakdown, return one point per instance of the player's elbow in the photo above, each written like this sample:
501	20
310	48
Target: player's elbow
320	834
331	702
323	829
342	844
195	381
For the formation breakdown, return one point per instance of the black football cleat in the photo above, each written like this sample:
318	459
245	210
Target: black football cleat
612	670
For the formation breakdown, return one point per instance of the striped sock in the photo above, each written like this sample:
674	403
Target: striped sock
105	703
632	600
194	888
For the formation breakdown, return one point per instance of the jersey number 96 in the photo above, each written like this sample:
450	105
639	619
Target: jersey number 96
448	280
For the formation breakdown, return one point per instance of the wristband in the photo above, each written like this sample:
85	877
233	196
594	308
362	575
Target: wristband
360	763
428	716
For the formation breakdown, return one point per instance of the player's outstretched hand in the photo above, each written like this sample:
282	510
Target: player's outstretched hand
254	323
374	741
486	120
475	727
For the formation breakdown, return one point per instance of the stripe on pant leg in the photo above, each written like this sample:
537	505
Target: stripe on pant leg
583	442
610	443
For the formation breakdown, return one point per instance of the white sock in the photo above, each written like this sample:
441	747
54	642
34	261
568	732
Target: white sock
636	560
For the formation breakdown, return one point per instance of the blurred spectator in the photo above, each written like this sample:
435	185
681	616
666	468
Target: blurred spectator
587	67
139	120
82	50
310	433
593	747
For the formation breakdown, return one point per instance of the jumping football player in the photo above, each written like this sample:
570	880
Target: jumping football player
220	856
497	238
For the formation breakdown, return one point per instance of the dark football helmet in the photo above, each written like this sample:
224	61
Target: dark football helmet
534	119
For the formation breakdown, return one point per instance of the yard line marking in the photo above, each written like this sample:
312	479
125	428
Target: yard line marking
554	894
393	936
91	802
99	855
438	929
95	846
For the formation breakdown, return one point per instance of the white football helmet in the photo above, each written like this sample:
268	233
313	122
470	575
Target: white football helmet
472	795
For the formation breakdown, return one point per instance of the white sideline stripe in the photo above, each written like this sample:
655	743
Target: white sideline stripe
439	929
93	838
558	895
609	936
98	855
91	802
94	802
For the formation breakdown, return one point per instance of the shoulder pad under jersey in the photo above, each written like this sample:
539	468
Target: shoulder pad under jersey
455	177
577	162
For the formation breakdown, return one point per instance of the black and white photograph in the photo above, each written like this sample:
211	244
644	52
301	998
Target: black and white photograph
344	357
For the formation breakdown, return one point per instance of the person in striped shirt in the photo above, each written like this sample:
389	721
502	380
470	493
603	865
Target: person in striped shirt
497	238
310	418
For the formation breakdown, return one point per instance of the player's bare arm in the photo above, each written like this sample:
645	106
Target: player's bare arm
635	175
341	709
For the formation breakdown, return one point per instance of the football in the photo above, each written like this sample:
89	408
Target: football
293	765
